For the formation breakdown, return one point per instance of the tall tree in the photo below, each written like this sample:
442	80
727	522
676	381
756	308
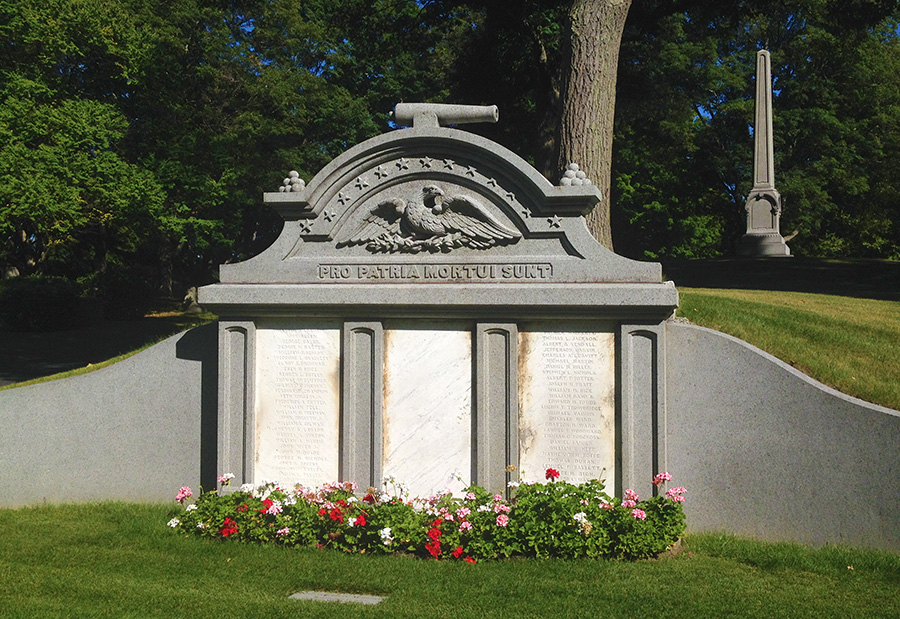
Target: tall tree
588	100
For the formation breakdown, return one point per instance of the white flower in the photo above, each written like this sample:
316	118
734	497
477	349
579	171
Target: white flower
190	507
512	484
385	534
580	517
351	522
174	522
248	488
484	508
290	500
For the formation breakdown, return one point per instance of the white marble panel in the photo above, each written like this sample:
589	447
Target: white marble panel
428	407
297	402
567	411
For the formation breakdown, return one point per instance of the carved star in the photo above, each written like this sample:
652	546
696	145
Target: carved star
448	164
510	196
554	221
426	162
342	198
525	213
380	172
361	182
403	164
329	216
492	182
305	228
470	171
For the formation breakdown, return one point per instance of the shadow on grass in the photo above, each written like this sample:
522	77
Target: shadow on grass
862	278
26	356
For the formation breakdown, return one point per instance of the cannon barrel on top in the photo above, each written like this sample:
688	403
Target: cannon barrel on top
442	114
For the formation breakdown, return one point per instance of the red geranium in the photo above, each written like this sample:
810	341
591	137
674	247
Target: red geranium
552	474
267	503
243	508
434	548
361	521
228	527
457	552
470	560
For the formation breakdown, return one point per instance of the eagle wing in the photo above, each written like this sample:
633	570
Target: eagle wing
382	221
464	215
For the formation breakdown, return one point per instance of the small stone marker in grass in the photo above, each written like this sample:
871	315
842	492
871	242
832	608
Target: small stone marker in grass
325	596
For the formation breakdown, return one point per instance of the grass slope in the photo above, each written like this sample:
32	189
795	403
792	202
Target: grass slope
847	343
120	560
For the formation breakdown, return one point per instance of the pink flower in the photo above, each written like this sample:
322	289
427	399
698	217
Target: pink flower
502	520
675	494
638	514
661	478
282	532
470	496
630	495
628	503
498	497
462	512
501	508
465	526
605	505
274	509
183	493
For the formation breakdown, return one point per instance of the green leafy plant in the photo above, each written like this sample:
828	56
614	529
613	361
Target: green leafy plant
552	519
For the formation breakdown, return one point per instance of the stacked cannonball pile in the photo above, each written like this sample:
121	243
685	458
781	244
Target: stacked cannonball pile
574	176
292	183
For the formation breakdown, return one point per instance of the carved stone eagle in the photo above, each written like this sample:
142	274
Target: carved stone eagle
430	222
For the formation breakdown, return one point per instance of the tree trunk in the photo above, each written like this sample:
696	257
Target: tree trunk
589	98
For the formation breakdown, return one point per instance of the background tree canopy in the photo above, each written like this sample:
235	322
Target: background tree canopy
137	136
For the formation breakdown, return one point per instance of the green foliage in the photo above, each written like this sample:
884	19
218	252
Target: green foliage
555	519
143	133
37	303
683	154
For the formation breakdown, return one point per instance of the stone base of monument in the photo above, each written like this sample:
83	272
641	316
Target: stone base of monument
763	245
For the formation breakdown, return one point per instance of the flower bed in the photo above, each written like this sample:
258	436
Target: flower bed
552	519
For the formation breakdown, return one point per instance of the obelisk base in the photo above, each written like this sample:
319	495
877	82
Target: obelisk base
768	245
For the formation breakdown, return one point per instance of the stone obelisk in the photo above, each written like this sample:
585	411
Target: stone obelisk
763	204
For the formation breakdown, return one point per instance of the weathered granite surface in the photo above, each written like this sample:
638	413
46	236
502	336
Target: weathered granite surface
451	268
767	452
133	431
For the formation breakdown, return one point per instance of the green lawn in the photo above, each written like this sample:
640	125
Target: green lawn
120	560
847	343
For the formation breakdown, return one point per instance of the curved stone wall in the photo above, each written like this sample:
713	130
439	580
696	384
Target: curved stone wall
767	452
